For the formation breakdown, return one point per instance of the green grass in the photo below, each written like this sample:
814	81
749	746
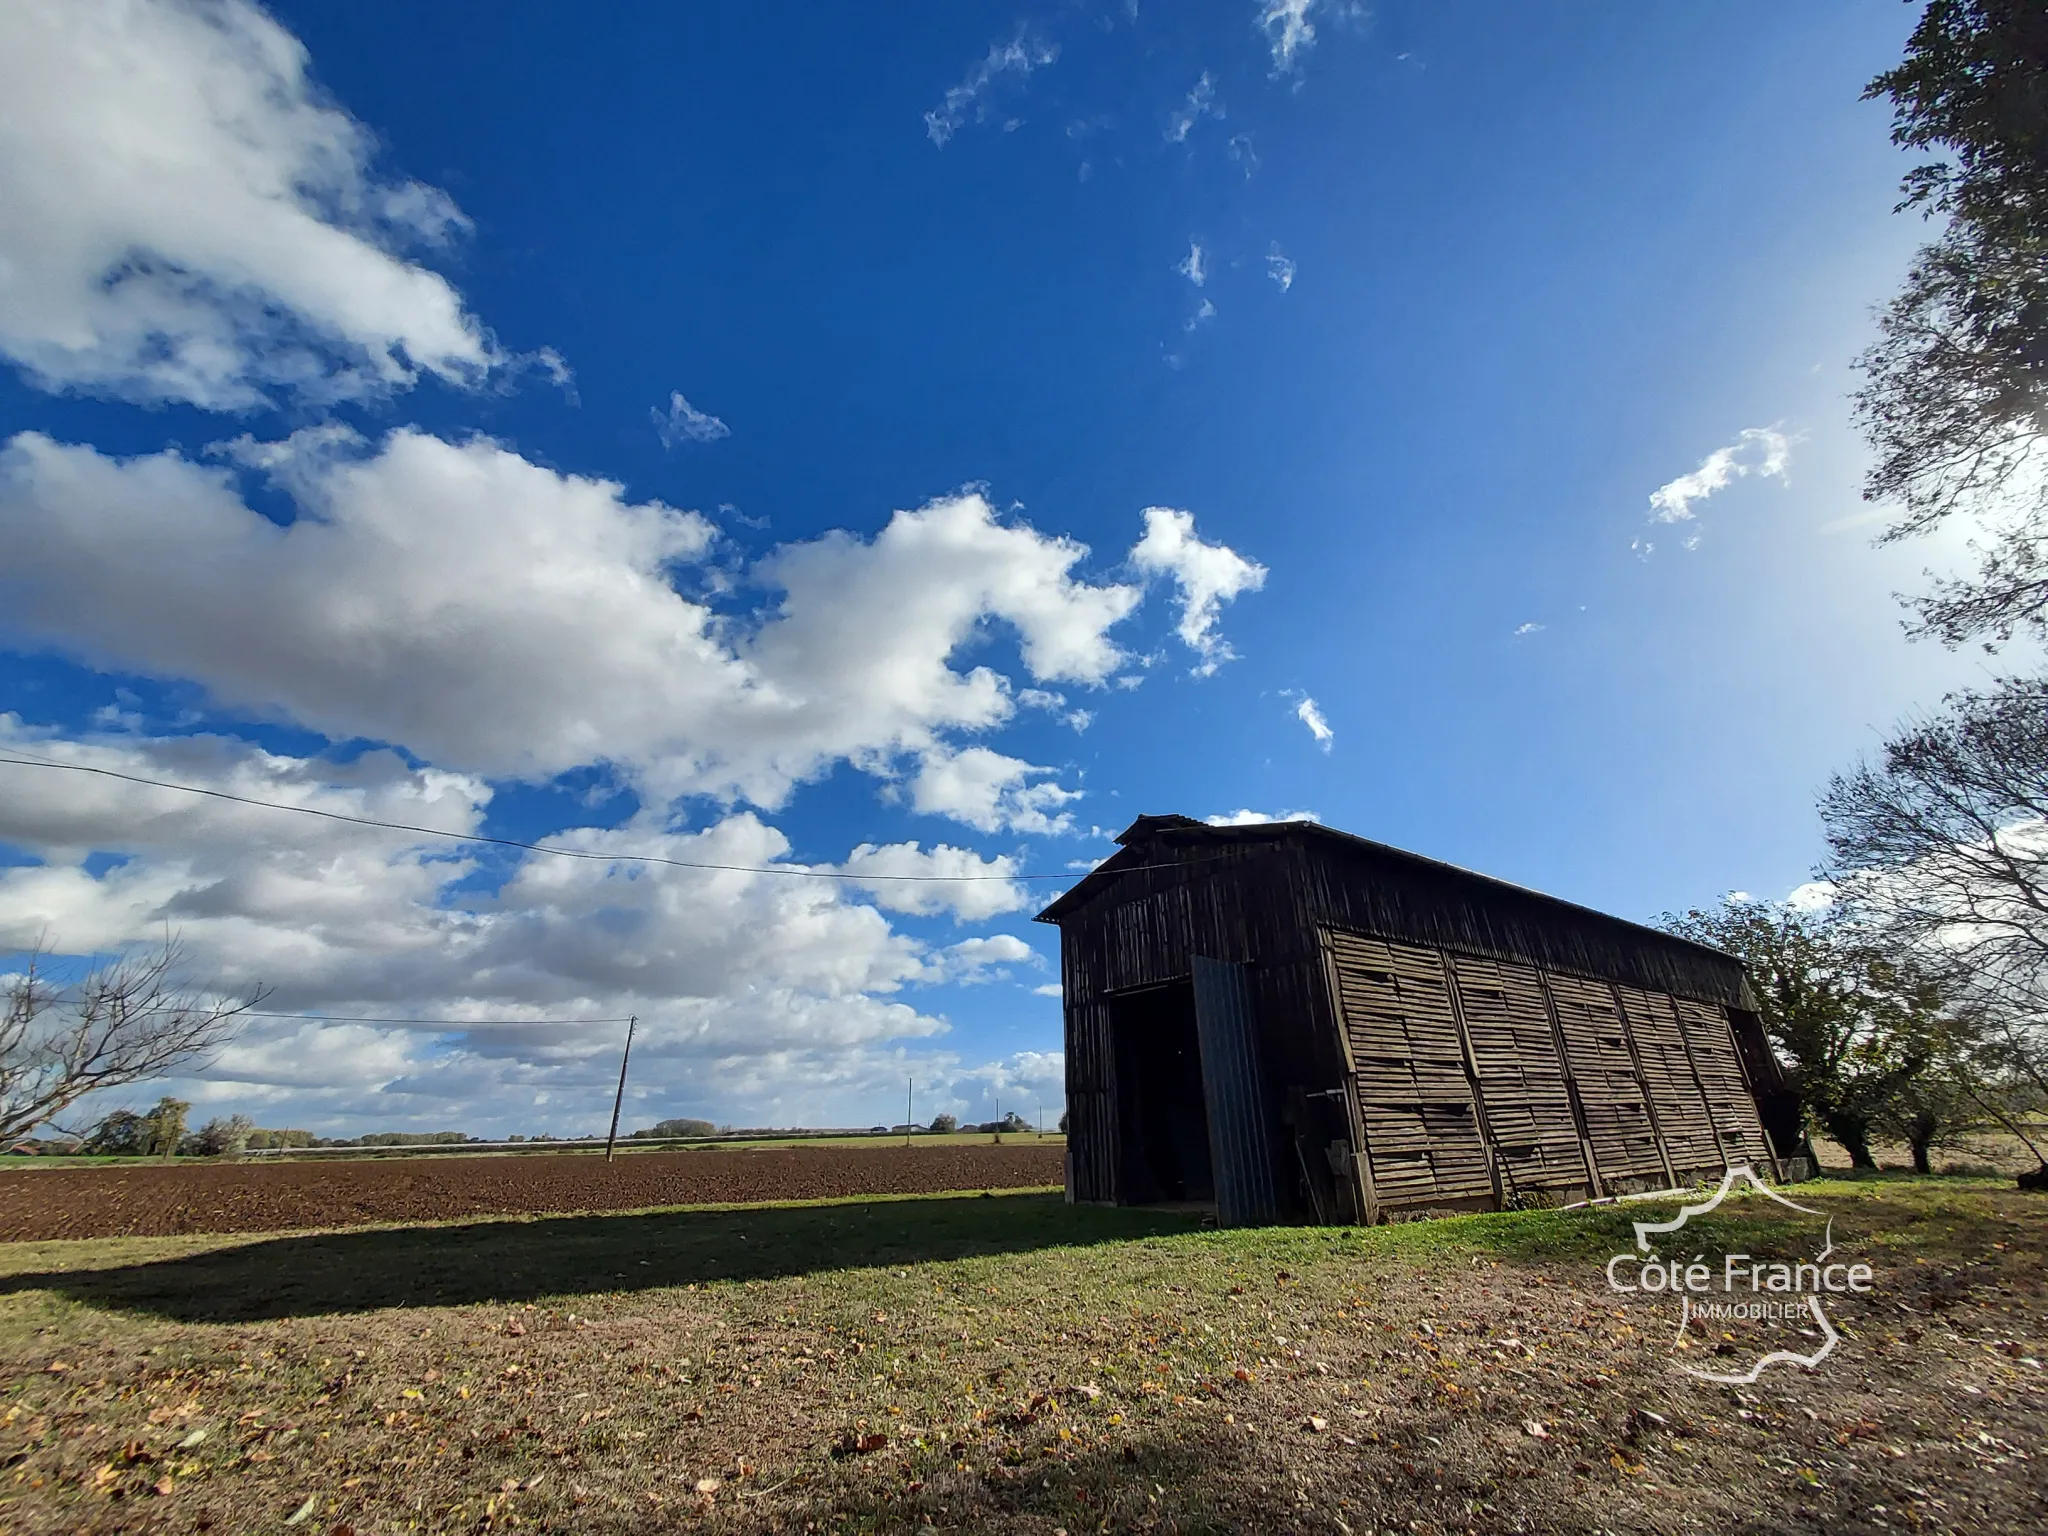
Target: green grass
410	1376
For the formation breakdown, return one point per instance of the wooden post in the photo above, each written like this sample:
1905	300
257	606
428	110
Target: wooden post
619	1100
909	1088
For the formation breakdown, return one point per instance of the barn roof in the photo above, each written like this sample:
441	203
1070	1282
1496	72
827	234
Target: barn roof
1142	838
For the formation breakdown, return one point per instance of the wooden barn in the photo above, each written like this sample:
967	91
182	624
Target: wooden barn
1286	1020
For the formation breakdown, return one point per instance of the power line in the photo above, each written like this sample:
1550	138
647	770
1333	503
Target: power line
512	842
349	1018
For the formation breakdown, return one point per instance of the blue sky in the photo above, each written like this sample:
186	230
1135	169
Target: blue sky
675	431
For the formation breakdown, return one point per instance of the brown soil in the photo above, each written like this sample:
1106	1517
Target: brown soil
150	1201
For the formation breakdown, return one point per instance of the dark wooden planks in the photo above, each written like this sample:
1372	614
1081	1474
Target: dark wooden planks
1422	1138
1730	1104
1521	1081
1610	1093
1674	1092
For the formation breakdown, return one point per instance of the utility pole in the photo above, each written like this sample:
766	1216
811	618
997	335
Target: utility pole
619	1101
908	1090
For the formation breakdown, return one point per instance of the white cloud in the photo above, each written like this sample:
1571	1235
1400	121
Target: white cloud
1204	313
1310	714
1050	989
777	989
1190	267
988	893
1765	451
1019	57
1208	576
1523	631
1289	32
1201	103
1280	268
682	422
1258	818
497	617
183	218
982	959
991	792
1075	720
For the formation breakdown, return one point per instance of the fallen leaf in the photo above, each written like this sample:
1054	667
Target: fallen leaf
1316	1423
304	1512
708	1485
1535	1429
192	1439
161	1487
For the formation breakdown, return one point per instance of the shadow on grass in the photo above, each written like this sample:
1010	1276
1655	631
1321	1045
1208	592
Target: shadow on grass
517	1261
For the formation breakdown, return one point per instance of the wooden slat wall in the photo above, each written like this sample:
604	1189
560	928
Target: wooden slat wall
1521	1081
1610	1094
1729	1101
1680	1108
1422	1136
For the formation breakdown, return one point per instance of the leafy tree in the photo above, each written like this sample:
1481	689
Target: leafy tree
678	1127
944	1125
125	1023
121	1134
264	1140
227	1137
1063	1122
1955	393
166	1127
1857	1028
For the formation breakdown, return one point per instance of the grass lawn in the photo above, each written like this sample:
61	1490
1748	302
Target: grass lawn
1009	1362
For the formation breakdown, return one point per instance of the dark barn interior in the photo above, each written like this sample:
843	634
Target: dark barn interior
1288	1021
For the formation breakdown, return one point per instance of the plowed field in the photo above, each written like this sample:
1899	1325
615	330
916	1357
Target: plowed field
153	1201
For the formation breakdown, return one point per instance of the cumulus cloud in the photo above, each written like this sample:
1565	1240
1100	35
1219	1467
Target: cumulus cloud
183	218
1280	268
1201	103
1289	32
1207	575
1258	818
442	596
1190	266
740	979
968	100
983	959
990	792
682	422
899	880
1765	451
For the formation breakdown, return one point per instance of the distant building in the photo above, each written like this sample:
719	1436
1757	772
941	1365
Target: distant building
1284	1019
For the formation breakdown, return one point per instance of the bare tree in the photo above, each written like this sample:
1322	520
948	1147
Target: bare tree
126	1022
1940	845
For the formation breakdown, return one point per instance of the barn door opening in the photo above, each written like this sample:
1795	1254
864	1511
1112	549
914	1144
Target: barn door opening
1162	1117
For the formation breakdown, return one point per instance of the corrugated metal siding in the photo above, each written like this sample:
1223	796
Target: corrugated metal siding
1233	1089
1521	1079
